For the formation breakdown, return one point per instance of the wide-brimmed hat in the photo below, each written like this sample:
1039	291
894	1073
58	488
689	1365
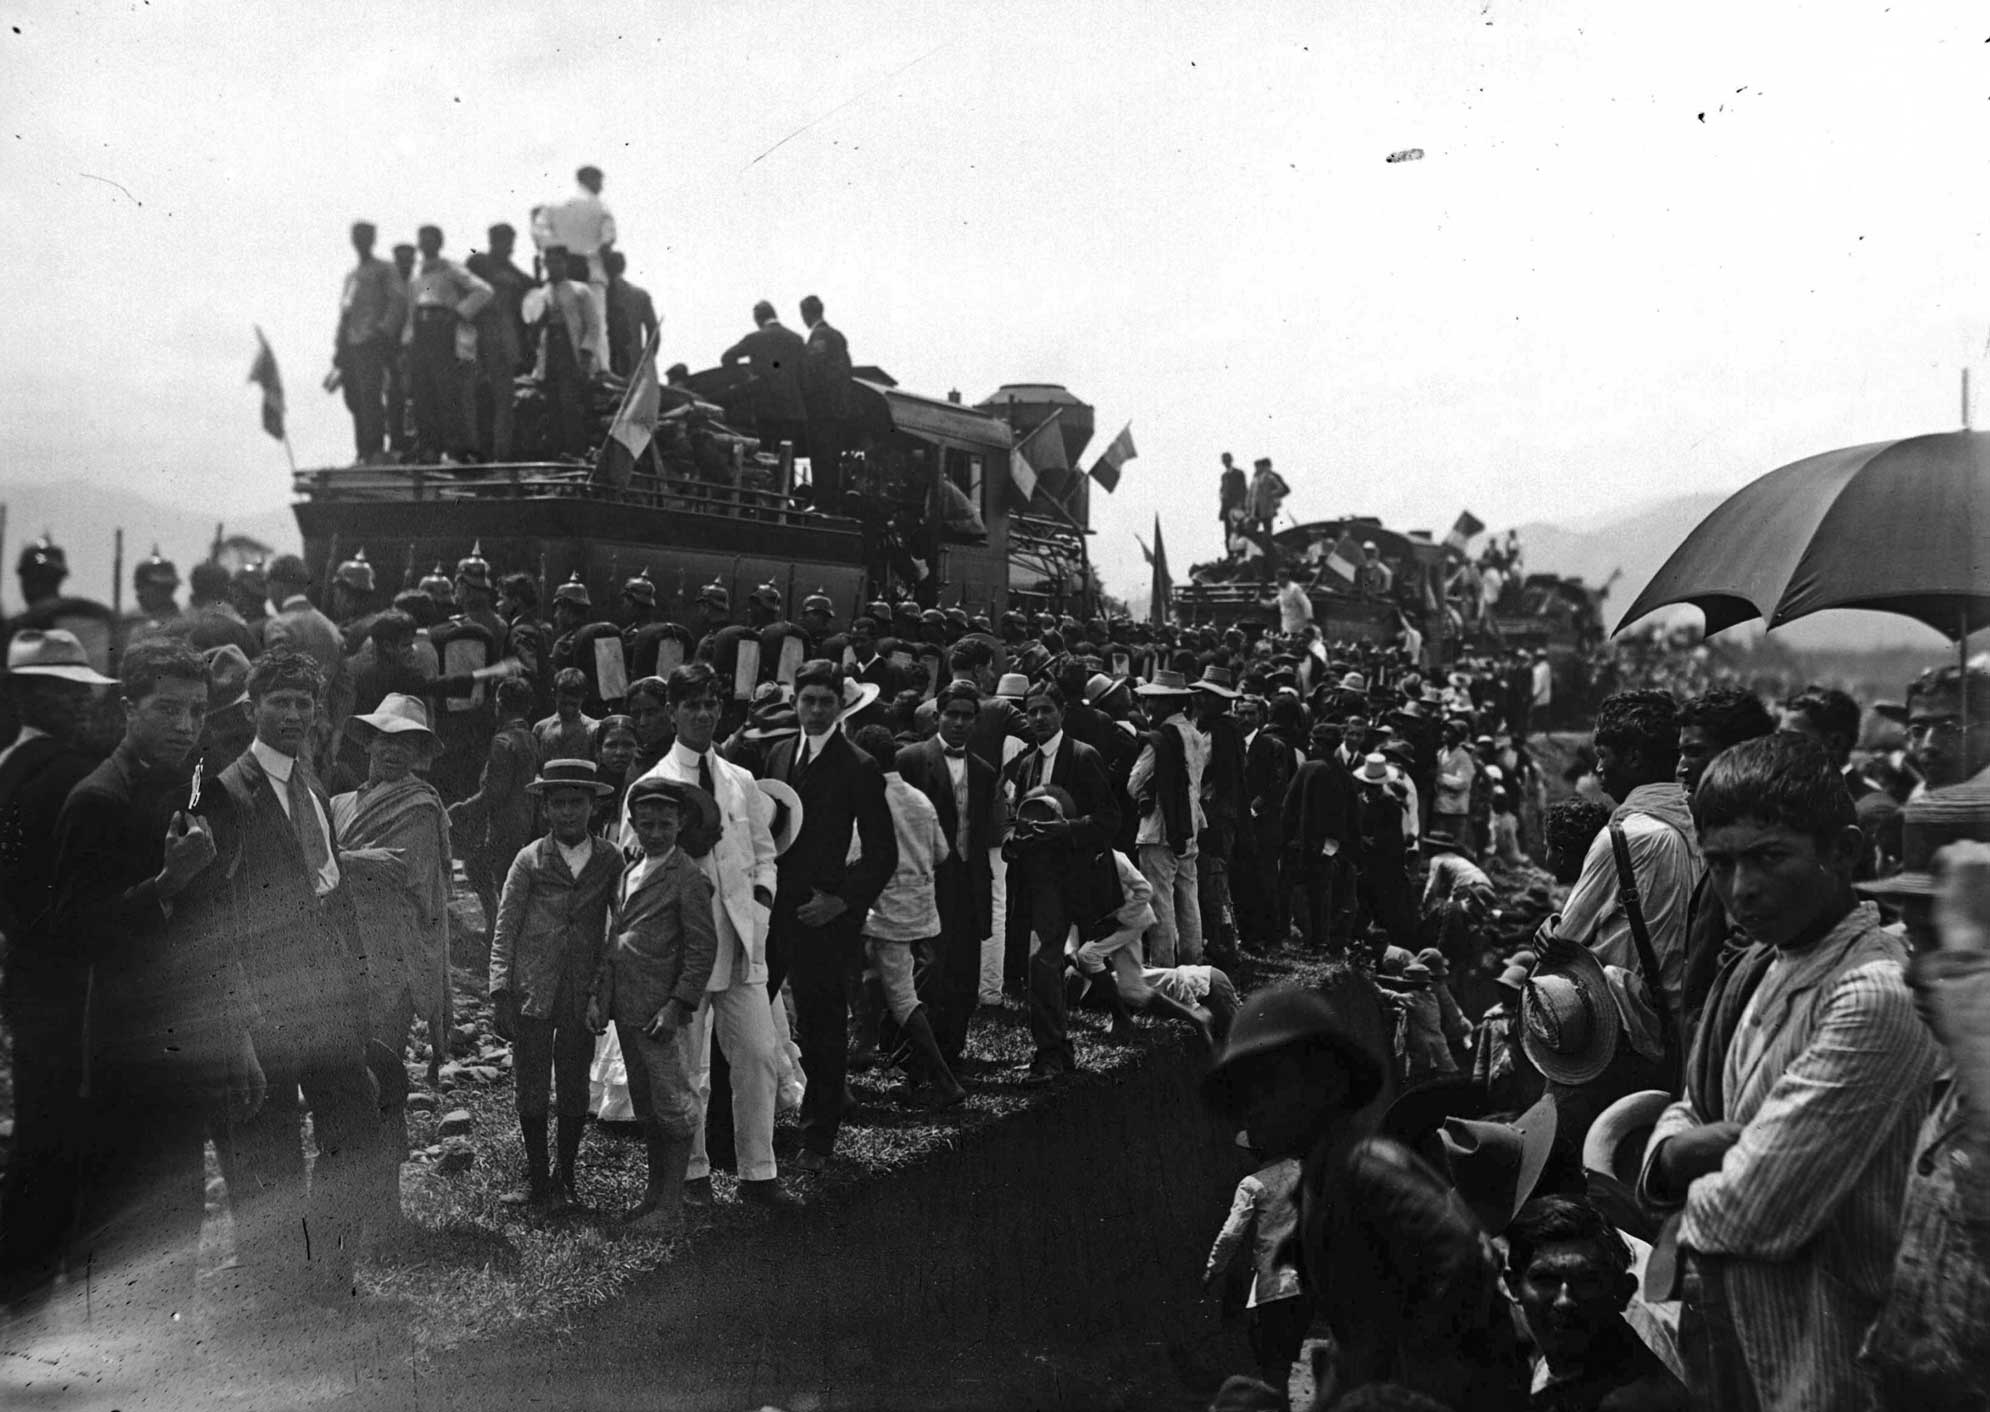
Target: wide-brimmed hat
775	721
1099	686
1433	960
1613	1153
1013	686
1519	966
700	824
398	714
1354	681
1285	1016
227	676
1415	1116
35	652
788	814
569	774
1958	814
1217	681
1496	1166
857	695
1374	769
1568	1017
1165	683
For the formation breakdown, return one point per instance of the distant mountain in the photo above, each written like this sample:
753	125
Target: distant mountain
84	519
1640	540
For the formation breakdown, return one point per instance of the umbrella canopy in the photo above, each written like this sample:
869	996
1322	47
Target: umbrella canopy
1898	526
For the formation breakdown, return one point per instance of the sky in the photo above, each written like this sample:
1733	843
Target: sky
1647	250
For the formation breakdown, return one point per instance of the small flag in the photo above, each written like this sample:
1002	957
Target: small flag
1462	532
1162	588
264	373
1345	557
1042	449
635	420
1021	475
1106	469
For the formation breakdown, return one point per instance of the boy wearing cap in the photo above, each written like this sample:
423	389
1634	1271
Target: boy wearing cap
546	948
651	981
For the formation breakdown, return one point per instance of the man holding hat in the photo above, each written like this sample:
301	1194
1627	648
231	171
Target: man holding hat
49	685
545	950
1165	786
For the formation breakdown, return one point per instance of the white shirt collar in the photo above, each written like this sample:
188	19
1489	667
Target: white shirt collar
1049	747
685	755
275	763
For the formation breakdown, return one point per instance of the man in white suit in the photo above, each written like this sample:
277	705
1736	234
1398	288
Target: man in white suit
741	870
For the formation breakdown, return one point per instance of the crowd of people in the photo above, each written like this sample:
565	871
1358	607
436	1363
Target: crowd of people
444	362
701	844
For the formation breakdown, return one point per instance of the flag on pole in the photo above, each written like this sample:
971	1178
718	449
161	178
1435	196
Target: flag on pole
1042	449
1021	476
1106	469
1345	557
264	374
635	420
1163	587
1462	532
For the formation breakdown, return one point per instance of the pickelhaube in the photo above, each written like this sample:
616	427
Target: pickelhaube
156	572
905	610
574	591
1044	622
475	570
878	611
253	578
979	623
714	595
43	556
640	589
818	602
437	585
957	618
933	617
1016	620
767	596
356	573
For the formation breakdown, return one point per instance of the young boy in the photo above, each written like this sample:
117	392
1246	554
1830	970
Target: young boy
908	912
652	978
544	953
1265	1212
567	734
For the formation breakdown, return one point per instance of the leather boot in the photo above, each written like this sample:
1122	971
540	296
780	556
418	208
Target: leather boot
662	1211
570	1133
1107	990
946	1088
538	1176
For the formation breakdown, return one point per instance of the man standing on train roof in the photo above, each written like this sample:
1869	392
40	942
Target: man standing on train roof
502	341
829	399
446	297
582	225
630	314
373	308
775	353
1231	496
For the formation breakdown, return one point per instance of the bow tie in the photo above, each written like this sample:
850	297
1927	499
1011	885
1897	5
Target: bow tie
953	754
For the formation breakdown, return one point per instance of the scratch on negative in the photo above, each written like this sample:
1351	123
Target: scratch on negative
865	93
108	182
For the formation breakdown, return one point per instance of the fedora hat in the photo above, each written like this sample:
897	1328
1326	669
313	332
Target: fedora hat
566	774
1165	683
857	695
1496	1166
700	824
1354	681
1957	814
52	653
1217	681
1013	686
1568	1016
1287	1016
1099	686
788	813
776	721
1374	769
397	714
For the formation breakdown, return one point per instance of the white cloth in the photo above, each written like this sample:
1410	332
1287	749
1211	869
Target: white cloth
1665	859
908	909
1195	754
1295	608
278	767
578	855
741	1017
963	809
582	224
27	734
1544	684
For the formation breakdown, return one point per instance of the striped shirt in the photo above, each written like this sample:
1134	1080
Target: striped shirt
1829	1076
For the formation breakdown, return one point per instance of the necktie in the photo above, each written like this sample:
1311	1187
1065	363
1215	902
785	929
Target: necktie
304	819
801	760
953	754
705	775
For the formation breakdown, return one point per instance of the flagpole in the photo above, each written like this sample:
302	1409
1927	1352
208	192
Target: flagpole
287	453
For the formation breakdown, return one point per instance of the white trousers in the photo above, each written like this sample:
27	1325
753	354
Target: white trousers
745	1028
995	943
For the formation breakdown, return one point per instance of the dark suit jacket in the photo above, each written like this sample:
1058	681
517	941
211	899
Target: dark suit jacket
840	788
1000	719
826	375
776	353
1268	770
661	944
1079	769
1320	804
924	767
302	954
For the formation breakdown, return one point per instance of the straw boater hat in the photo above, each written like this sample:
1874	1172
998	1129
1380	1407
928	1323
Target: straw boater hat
399	714
570	774
1957	814
788	814
1568	1017
54	653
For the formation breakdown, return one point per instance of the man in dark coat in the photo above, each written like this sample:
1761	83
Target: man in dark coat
963	792
829	398
299	943
48	688
1078	770
139	900
1223	804
1269	764
1321	827
774	352
824	895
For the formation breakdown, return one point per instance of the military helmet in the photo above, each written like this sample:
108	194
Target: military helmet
573	591
437	584
818	602
878	611
957	618
43	556
979	623
640	589
475	570
289	569
156	572
933	618
356	573
767	596
714	595
252	578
